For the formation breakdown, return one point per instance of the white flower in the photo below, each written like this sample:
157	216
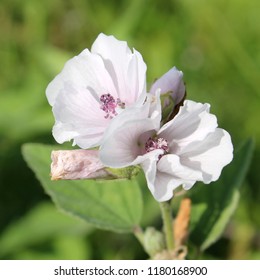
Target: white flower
187	149
93	88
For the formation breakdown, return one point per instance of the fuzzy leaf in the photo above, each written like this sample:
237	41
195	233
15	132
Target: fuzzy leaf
113	205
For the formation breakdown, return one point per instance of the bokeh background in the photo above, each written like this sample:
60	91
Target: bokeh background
215	43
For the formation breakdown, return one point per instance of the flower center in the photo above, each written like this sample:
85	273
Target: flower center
157	143
109	105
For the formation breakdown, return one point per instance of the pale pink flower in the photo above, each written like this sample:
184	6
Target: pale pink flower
187	149
76	164
93	88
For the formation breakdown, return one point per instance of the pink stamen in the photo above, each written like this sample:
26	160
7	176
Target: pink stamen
108	105
157	143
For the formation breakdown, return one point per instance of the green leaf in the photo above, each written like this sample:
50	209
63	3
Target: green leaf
42	223
113	205
214	204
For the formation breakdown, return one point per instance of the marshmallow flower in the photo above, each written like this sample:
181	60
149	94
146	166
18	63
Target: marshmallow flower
93	88
100	99
187	149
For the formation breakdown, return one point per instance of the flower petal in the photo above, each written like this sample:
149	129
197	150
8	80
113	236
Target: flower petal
126	68
171	165
164	186
78	116
122	147
160	184
210	155
192	123
86	70
155	110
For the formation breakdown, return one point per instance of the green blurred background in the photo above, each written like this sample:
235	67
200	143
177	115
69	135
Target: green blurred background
215	43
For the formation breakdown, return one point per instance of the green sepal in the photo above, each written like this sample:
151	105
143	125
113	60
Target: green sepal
123	173
167	104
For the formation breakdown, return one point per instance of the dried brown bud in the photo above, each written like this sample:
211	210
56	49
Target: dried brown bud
181	223
76	164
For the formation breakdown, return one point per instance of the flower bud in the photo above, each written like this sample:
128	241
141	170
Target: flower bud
85	164
154	241
172	90
76	164
172	82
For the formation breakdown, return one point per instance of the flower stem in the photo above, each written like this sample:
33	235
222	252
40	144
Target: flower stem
138	232
167	223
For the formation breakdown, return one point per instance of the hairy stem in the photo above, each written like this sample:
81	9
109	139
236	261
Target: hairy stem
167	223
138	232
